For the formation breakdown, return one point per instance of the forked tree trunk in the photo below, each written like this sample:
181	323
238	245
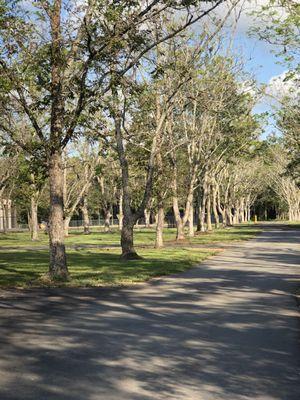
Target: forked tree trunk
181	221
85	215
58	261
34	227
159	227
130	217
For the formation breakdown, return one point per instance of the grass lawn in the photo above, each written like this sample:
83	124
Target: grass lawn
143	237
24	263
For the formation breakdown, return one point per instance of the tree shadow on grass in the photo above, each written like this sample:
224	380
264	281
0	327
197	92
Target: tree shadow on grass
95	267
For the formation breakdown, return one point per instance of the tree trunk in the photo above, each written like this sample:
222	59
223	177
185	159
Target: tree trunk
202	219
202	210
4	213
221	209
242	210
58	261
159	227
208	215
198	228
147	217
178	219
34	227
129	219
29	221
236	214
198	209
67	221
1	216
128	250
85	215
107	217
228	214
15	217
9	214
202	199
214	207
191	221
120	214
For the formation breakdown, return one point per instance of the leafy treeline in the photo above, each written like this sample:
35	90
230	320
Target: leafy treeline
121	104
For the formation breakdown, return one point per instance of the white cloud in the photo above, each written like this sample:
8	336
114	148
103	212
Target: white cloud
243	12
283	85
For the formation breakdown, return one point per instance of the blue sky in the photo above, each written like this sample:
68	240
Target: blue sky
258	57
263	64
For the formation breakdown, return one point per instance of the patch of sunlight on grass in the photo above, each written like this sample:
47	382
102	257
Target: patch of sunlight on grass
24	263
97	268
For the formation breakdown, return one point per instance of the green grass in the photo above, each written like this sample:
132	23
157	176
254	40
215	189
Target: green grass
24	264
142	237
96	268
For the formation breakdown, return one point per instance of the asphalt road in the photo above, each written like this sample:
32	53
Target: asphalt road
228	329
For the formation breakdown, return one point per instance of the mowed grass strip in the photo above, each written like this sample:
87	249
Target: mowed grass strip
142	237
23	264
25	268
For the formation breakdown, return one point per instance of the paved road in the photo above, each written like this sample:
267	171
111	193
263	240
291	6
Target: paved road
228	329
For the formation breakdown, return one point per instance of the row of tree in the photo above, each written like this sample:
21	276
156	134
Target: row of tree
122	102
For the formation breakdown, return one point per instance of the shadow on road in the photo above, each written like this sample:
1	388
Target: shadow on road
227	329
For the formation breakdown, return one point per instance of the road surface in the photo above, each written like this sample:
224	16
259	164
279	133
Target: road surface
227	329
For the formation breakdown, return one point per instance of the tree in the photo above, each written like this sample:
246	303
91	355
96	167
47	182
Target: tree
279	25
49	79
29	184
282	183
9	164
80	169
288	121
